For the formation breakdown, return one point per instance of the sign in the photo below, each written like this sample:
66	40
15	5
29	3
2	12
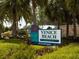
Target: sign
34	34
34	28
50	36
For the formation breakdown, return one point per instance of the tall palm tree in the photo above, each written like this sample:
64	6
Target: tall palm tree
57	10
54	11
1	25
14	10
73	7
36	3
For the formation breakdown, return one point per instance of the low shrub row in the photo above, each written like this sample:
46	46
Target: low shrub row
16	51
68	52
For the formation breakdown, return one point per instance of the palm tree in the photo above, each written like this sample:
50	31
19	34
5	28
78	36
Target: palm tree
73	7
1	25
37	3
68	20
14	10
54	11
58	11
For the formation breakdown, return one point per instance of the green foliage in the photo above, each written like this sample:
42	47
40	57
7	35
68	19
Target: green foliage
23	34
13	50
14	41
36	47
42	3
68	52
21	6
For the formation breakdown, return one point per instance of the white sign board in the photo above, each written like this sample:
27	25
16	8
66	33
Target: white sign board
50	36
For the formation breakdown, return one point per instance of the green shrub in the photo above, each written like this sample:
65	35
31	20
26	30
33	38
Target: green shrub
68	52
23	34
23	53
16	51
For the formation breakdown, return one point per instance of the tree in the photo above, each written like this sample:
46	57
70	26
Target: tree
58	11
73	7
54	11
37	3
14	10
1	25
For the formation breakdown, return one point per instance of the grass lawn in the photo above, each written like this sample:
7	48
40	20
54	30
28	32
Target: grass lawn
15	49
37	47
15	41
68	52
19	41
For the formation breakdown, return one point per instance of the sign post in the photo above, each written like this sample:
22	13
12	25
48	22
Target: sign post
47	36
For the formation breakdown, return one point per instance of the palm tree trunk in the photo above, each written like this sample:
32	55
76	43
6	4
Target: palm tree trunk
74	19
74	25
1	25
14	27
1	28
15	21
59	24
33	10
67	30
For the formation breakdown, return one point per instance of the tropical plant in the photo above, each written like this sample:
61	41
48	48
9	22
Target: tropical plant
1	25
74	9
58	12
14	10
54	11
37	3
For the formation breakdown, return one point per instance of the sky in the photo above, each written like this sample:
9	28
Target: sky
21	23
